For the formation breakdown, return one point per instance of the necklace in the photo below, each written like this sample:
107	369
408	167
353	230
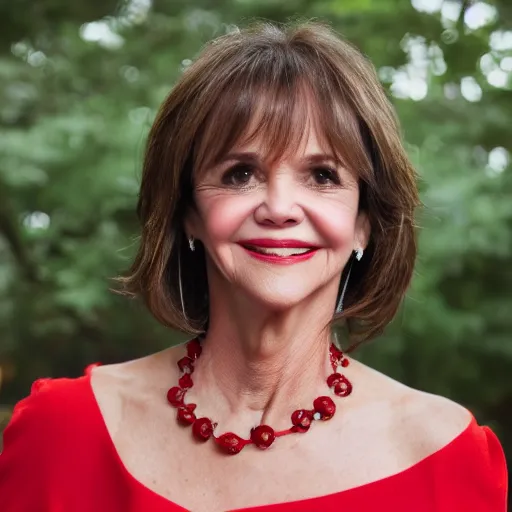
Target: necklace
262	436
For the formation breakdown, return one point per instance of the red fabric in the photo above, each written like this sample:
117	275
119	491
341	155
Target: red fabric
59	457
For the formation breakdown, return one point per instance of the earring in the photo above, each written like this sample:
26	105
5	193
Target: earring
358	253
181	287
191	243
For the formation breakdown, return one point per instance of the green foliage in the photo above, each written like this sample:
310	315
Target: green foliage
73	119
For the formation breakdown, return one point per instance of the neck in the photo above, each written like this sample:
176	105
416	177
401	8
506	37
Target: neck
259	368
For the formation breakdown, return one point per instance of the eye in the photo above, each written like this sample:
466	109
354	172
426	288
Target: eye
324	175
238	176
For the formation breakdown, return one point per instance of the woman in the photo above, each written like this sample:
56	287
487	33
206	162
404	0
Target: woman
276	201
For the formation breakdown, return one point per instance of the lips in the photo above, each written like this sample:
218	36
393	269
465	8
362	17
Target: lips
279	251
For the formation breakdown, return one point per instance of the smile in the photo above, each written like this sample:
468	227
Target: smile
279	251
275	251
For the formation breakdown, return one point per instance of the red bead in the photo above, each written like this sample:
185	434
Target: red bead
344	363
191	407
343	387
301	420
185	381
185	416
336	356
194	349
325	406
185	364
175	396
335	362
202	429
263	436
230	443
333	379
335	351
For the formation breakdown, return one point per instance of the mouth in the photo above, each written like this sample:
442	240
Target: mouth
283	252
279	251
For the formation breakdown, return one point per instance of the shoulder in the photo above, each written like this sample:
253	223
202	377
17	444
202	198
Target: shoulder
431	421
137	372
127	390
43	441
440	429
51	405
420	422
465	459
414	424
55	413
113	384
441	442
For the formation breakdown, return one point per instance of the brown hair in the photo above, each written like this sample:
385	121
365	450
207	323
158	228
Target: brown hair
265	70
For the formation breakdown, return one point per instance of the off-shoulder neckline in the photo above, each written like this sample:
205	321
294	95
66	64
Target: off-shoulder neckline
315	499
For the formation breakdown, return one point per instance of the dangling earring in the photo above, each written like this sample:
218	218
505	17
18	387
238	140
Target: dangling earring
358	254
181	286
191	243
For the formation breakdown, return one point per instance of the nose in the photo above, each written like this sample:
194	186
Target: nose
279	207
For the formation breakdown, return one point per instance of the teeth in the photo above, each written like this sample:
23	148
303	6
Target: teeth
275	251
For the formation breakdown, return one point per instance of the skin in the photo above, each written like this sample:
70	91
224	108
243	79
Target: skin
266	355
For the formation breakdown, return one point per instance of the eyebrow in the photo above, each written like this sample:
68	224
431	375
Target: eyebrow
253	157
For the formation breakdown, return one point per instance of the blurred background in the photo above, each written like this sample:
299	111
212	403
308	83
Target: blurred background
80	83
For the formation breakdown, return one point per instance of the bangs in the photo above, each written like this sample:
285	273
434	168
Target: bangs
275	99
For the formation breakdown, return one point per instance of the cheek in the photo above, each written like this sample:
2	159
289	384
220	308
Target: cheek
335	220
222	216
329	220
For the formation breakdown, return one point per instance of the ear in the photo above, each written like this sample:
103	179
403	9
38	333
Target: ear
362	231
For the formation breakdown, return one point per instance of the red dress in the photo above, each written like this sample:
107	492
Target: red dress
59	457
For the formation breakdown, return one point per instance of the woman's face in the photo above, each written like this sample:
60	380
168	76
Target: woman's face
279	233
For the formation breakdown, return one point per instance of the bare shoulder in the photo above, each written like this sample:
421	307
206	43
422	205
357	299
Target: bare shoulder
432	421
139	369
415	422
130	387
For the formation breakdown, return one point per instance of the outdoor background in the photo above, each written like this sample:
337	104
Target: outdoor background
80	83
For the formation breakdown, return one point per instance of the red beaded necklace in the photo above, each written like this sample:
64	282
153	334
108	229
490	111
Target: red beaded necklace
262	436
